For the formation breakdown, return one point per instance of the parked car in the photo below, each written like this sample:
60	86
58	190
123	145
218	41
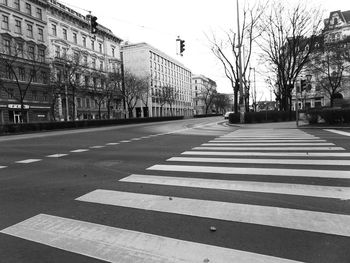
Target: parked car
227	114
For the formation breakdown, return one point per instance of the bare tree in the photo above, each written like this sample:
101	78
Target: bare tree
167	95
113	90
19	69
225	50
221	102
134	87
288	38
145	96
329	63
207	95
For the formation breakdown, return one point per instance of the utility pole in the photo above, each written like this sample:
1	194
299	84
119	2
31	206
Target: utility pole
241	90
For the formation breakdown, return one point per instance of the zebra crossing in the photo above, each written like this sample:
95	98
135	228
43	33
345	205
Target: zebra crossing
299	155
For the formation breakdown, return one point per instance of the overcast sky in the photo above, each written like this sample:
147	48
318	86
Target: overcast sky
159	22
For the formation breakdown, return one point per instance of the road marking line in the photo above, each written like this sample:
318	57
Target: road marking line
270	144
249	186
125	141
338	132
254	171
79	150
117	245
57	155
29	161
284	154
261	161
272	148
2	167
268	140
97	147
135	139
327	223
113	143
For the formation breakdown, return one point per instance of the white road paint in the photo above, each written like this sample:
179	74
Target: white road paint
57	155
125	141
112	143
118	245
2	167
253	171
338	132
29	161
135	139
249	186
97	147
271	144
320	222
281	154
267	148
267	140
79	150
261	161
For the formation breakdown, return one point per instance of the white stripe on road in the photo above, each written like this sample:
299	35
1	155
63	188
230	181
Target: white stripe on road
57	155
320	222
249	186
113	143
284	154
261	161
253	171
268	140
2	167
125	141
118	245
97	147
29	161
271	148
271	144
79	150
338	132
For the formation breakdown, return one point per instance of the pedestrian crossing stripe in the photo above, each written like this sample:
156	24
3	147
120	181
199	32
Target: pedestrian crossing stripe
340	174
79	150
261	161
270	148
338	132
57	155
280	154
2	167
267	140
270	144
342	193
304	220
29	161
117	245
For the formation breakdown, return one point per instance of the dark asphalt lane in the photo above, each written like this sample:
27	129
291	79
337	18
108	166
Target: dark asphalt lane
51	186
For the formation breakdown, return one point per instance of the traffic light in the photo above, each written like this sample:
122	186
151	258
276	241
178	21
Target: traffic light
182	46
303	85
94	24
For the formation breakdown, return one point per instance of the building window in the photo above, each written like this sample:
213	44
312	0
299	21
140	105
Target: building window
33	75
84	41
28	9
30	30
16	4
39	13
31	52
57	52
19	49
7	46
87	103
41	54
10	93
79	102
45	96
86	80
54	29
18	26
85	58
92	45
5	22
76	57
101	65
44	77
75	38
100	47
93	63
40	34
34	95
65	35
21	73
5	2
113	52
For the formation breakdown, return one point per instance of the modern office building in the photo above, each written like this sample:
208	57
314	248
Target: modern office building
91	57
143	60
24	72
202	90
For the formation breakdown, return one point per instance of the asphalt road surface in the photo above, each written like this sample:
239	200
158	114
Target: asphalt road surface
195	190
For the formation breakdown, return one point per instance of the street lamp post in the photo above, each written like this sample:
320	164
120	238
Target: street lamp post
241	90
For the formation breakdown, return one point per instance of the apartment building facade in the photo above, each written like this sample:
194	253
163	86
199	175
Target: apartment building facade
91	58
24	80
143	60
202	90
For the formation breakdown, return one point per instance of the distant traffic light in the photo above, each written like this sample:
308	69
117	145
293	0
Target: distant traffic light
94	24
182	46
